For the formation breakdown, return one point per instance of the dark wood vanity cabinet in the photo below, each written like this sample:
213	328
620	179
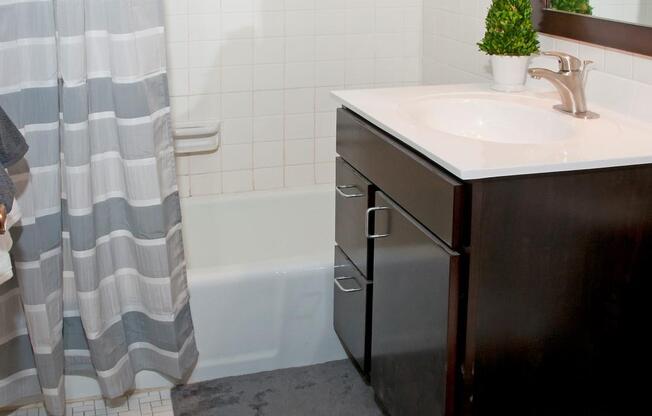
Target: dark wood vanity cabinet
523	295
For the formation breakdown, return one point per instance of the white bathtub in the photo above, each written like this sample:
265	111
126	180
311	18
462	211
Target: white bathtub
260	280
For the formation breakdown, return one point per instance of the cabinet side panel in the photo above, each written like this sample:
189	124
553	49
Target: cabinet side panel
560	267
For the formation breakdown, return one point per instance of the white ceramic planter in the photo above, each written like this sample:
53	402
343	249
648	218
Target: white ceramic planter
510	72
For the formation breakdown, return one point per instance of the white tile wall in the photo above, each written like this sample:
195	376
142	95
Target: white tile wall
621	81
265	69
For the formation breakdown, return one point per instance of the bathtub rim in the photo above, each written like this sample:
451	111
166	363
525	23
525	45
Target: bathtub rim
237	196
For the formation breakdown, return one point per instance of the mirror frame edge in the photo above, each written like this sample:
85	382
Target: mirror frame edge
627	37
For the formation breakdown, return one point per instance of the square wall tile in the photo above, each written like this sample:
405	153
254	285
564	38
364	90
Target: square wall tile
237	104
268	76
269	51
172	7
205	184
205	54
325	149
237	78
299	100
237	157
176	28
268	178
237	130
299	126
325	173
269	128
203	27
268	154
268	103
204	107
300	175
205	162
204	81
179	108
299	152
237	52
200	6
238	181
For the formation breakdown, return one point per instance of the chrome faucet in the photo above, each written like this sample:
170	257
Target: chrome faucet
570	82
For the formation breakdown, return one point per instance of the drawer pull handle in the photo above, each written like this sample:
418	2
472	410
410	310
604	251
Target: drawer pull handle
368	220
340	190
339	285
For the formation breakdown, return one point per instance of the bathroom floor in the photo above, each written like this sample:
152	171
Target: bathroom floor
150	403
330	389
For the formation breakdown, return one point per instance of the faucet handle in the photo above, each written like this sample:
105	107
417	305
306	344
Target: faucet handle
588	66
567	62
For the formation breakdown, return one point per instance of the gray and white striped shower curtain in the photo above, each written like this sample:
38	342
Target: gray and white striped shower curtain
101	284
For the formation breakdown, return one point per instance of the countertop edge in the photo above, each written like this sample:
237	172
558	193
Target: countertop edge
486	173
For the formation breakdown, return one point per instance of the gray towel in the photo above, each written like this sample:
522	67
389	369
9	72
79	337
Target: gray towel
7	190
12	148
12	143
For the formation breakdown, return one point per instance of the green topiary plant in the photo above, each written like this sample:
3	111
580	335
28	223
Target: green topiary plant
510	31
574	6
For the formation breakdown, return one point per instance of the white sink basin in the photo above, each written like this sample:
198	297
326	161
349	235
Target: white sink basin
490	117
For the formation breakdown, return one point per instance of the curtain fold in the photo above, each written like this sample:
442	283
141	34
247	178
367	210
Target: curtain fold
31	316
99	253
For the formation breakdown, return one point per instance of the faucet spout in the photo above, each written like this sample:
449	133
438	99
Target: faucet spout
538	73
571	102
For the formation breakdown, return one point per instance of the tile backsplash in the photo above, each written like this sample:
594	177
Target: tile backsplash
265	68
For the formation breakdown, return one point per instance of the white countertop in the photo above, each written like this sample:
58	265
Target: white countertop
613	140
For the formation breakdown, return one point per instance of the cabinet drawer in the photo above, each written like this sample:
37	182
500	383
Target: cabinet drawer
431	195
352	310
354	196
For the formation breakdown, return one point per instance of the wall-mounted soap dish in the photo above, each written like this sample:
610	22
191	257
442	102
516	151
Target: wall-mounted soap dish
196	137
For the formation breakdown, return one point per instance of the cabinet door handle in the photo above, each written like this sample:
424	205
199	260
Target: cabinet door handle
340	190
339	285
368	220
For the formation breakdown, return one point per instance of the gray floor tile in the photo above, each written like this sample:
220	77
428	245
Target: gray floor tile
330	389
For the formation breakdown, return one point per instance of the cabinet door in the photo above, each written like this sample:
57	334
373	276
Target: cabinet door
414	316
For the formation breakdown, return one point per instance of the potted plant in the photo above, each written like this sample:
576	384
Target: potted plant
573	6
511	40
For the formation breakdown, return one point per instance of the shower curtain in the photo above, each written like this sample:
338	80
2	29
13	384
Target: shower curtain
101	280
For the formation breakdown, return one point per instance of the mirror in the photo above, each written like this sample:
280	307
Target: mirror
618	24
638	12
